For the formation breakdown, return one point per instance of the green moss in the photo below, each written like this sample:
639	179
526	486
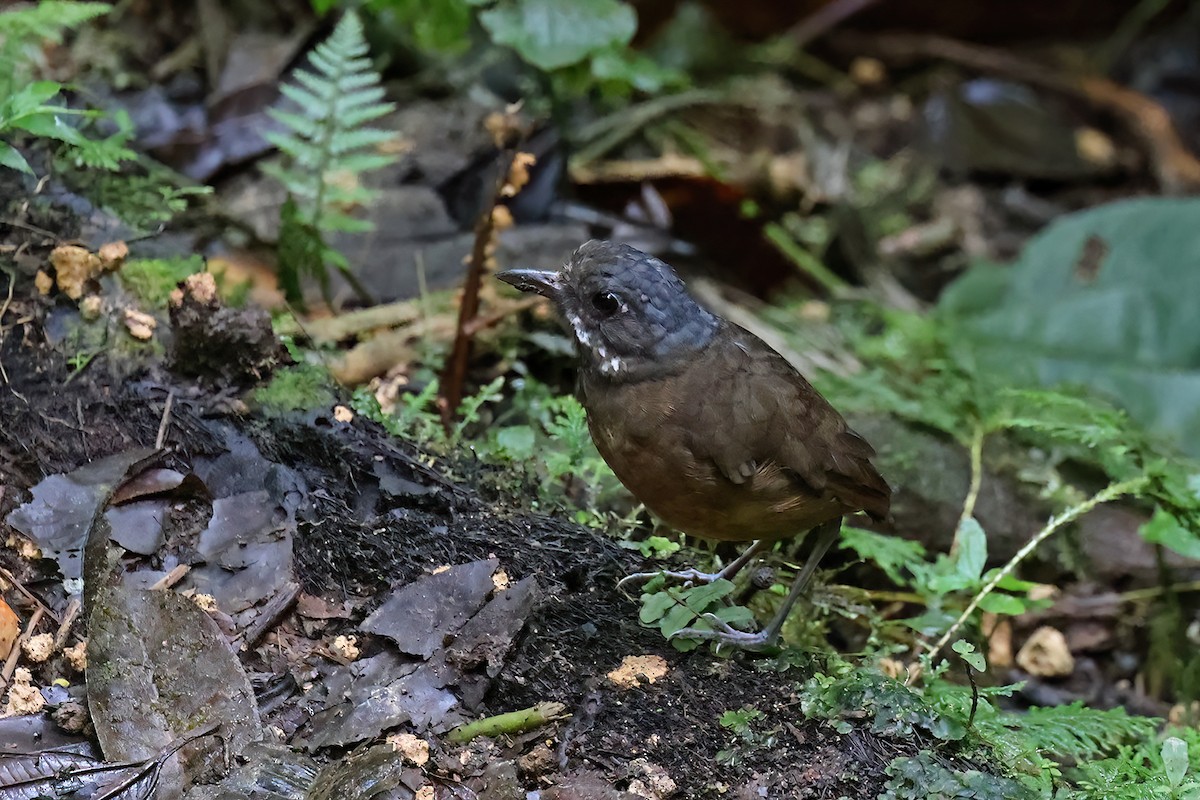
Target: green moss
152	279
298	388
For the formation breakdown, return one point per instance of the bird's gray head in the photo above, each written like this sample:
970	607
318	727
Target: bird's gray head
629	310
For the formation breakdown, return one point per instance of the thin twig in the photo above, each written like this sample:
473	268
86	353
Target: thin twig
165	423
1110	492
350	323
1128	29
64	627
610	130
486	321
274	611
171	578
455	374
25	226
974	695
12	281
1153	592
28	595
1176	169
826	18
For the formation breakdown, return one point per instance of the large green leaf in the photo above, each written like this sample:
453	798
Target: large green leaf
551	34
1108	299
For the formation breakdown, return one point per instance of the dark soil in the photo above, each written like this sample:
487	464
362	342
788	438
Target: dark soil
356	540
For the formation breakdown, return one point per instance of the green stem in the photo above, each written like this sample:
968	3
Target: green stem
1110	492
806	261
968	509
512	722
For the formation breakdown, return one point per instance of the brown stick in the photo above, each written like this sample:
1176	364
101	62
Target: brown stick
826	18
352	323
270	615
171	578
28	595
483	323
455	374
64	627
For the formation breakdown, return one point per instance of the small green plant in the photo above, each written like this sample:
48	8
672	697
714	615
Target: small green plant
79	361
326	147
743	724
944	582
654	546
581	45
552	447
1145	771
144	201
27	106
671	608
892	708
1070	732
921	370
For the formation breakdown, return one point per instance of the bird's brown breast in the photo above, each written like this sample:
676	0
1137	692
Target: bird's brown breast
733	444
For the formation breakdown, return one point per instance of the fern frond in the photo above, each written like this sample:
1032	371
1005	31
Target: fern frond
23	30
48	20
1073	731
322	129
1071	420
325	147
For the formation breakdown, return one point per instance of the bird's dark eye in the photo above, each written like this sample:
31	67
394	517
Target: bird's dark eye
606	303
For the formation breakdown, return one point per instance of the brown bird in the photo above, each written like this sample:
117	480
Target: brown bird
716	433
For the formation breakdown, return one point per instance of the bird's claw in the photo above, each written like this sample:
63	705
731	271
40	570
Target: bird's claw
688	577
723	633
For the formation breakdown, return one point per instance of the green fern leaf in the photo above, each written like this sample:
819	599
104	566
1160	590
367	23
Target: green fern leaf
1073	731
323	128
323	114
48	20
24	30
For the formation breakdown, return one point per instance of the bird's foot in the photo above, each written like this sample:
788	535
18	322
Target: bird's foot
723	633
688	577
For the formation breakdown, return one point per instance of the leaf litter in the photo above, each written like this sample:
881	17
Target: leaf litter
360	524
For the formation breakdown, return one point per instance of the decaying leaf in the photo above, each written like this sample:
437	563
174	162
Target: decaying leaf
60	515
10	629
168	672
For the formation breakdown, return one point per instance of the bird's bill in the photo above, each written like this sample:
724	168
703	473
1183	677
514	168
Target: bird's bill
543	282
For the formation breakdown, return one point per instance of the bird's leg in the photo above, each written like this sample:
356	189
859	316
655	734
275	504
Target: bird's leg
695	576
723	633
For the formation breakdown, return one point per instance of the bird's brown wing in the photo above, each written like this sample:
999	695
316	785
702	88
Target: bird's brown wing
774	417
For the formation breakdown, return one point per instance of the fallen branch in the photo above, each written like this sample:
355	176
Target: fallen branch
1177	170
347	325
381	352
